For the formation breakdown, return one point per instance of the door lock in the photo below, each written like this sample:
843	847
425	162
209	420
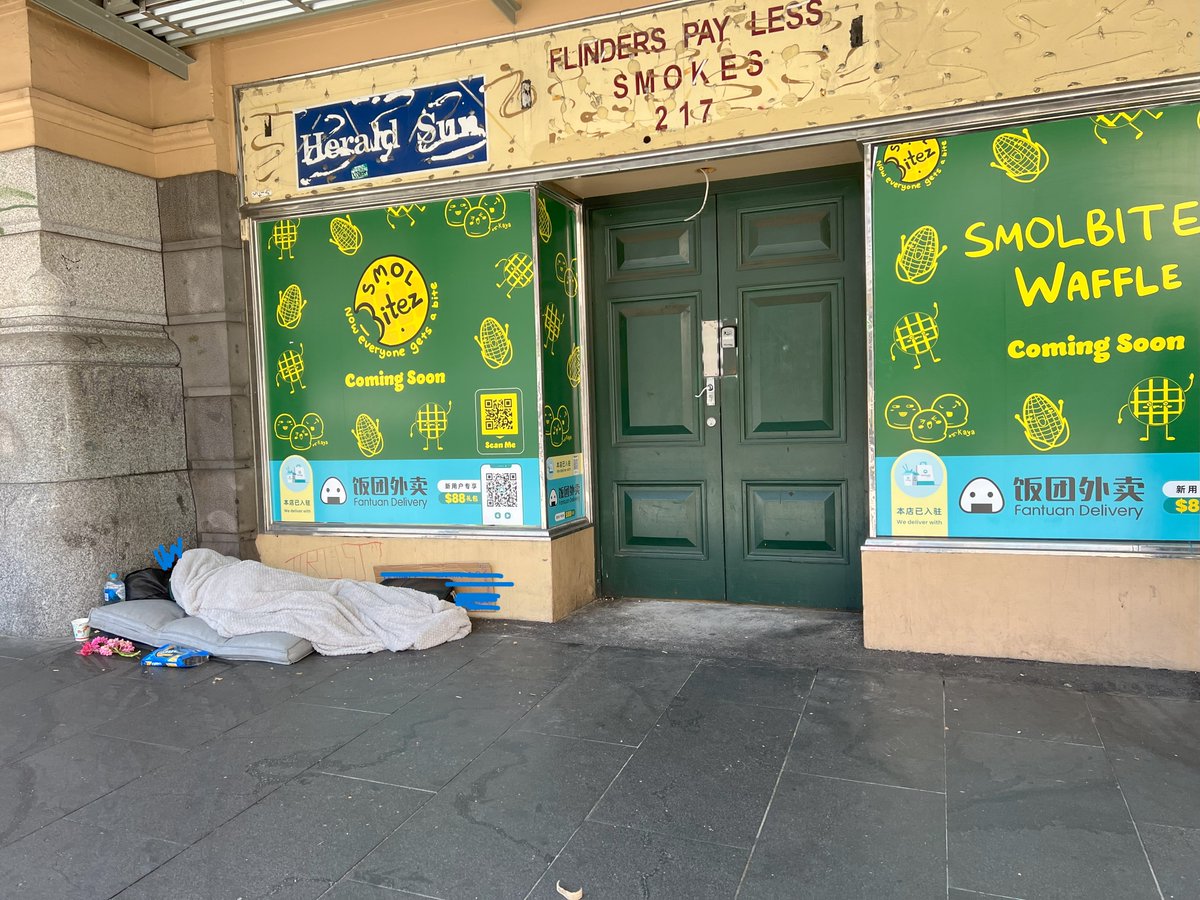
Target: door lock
729	350
709	391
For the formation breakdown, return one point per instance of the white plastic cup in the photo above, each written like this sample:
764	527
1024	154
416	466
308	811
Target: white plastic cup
80	629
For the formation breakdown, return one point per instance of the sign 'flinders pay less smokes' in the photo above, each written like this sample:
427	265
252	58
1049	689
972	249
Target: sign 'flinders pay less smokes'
1037	336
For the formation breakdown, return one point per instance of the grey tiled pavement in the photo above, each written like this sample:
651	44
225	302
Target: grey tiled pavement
501	765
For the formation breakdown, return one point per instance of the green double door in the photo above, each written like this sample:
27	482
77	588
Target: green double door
759	494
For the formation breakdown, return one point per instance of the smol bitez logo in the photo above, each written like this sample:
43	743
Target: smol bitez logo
909	165
399	300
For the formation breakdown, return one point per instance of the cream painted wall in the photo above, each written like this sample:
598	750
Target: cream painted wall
1117	610
15	61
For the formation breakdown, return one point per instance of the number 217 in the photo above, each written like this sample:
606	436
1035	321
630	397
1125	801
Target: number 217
690	114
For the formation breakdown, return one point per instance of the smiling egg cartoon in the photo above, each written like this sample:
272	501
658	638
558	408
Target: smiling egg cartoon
900	410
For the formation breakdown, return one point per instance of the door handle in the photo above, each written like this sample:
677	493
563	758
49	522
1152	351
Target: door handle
709	391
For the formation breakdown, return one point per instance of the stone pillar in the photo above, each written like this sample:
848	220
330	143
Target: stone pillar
93	468
206	315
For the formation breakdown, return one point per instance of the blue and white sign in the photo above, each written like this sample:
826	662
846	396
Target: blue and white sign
412	130
1102	497
500	492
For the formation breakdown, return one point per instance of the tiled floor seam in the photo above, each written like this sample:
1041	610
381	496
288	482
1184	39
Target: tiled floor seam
132	740
569	737
1021	737
989	896
396	891
1117	781
774	790
604	793
371	712
407	787
898	787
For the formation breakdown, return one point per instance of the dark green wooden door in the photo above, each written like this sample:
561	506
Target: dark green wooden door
761	498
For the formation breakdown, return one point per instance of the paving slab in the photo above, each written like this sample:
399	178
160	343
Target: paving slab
1039	819
294	844
493	831
828	839
69	860
613	863
876	727
756	684
1154	747
705	772
615	695
1175	857
214	782
46	786
430	740
1019	710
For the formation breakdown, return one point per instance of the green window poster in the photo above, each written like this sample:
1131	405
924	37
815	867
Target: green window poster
1037	330
562	358
401	365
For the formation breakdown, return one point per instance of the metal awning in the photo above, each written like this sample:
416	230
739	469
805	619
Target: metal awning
183	22
156	29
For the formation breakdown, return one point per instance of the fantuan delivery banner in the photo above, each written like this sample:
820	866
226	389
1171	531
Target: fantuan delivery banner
401	355
1037	330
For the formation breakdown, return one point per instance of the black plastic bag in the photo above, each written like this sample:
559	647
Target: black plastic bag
435	586
148	584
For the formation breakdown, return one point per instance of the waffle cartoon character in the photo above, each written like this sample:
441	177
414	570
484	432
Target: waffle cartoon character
1156	403
432	421
914	334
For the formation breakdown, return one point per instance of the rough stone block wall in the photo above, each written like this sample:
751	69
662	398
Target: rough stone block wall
206	314
93	457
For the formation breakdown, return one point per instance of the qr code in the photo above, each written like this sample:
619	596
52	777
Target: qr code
499	413
502	490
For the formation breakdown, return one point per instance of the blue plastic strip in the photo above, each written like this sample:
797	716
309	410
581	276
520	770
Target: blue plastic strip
441	575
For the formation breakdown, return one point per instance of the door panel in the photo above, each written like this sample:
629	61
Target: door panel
792	381
655	347
661	519
659	466
648	249
767	504
794	420
797	519
789	234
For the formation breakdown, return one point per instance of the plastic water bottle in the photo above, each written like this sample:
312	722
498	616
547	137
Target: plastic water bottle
114	588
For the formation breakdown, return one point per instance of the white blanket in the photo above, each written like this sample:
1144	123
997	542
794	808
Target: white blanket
338	617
